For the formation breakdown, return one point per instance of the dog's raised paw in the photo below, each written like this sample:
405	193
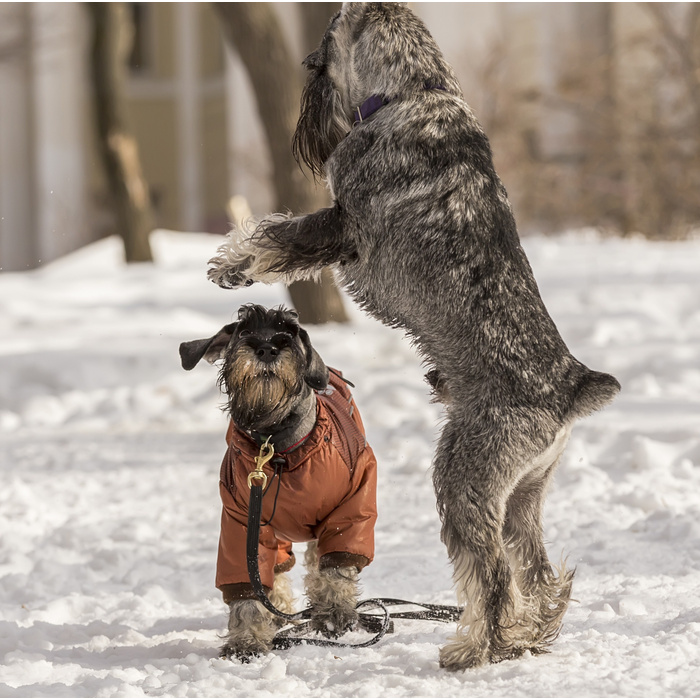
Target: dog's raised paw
228	279
227	275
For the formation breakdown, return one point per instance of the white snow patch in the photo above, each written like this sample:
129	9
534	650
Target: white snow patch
109	507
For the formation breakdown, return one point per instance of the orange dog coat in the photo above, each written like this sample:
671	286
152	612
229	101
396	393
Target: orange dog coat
327	493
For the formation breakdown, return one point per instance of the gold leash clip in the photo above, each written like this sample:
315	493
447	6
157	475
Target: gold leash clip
267	451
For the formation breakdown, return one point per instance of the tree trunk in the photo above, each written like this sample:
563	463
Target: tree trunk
253	30
117	145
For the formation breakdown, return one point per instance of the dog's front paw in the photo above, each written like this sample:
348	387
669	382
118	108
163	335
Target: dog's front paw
463	653
227	275
333	594
334	623
243	654
251	630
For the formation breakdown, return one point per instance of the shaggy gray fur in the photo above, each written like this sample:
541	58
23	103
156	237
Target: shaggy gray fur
422	236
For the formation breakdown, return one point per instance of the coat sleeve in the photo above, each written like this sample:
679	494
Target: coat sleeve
346	536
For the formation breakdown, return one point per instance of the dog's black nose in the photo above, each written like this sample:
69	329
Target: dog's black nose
267	352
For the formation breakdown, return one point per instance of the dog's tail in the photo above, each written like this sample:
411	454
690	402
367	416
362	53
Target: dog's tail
595	390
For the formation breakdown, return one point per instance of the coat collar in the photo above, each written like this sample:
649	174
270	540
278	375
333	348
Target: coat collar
246	446
294	429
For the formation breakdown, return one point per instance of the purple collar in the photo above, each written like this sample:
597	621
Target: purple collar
369	107
375	102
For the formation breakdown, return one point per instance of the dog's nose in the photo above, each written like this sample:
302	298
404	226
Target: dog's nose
267	352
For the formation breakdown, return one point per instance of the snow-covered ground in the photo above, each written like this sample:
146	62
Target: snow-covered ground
109	507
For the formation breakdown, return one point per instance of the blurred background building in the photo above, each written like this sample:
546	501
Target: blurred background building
593	110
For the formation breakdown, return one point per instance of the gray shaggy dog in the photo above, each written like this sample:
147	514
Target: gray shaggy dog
422	236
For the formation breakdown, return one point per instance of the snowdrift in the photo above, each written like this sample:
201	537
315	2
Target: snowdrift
109	508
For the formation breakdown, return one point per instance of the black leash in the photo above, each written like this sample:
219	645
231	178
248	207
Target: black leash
378	623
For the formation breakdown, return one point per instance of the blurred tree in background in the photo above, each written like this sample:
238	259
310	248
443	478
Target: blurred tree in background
254	31
593	111
611	137
130	199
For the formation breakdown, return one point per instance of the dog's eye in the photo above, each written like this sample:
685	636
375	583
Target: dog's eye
281	339
244	333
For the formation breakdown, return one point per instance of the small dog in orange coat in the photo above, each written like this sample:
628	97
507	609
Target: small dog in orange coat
279	389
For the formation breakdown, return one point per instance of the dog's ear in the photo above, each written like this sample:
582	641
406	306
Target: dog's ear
316	375
211	349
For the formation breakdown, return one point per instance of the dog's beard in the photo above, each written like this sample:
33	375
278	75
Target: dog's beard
260	395
322	123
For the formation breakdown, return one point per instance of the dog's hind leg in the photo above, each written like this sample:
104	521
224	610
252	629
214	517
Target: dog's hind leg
472	504
483	582
546	591
281	596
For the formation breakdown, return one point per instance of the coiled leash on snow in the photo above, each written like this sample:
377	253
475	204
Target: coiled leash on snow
378	623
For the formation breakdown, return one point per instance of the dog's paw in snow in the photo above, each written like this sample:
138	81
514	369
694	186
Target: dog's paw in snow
251	629
333	594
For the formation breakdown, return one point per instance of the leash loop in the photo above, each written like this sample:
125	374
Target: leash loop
379	623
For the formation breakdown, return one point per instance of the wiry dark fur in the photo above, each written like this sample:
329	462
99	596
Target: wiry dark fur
268	373
262	396
422	235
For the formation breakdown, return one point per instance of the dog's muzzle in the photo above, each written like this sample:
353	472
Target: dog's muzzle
266	353
267	349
